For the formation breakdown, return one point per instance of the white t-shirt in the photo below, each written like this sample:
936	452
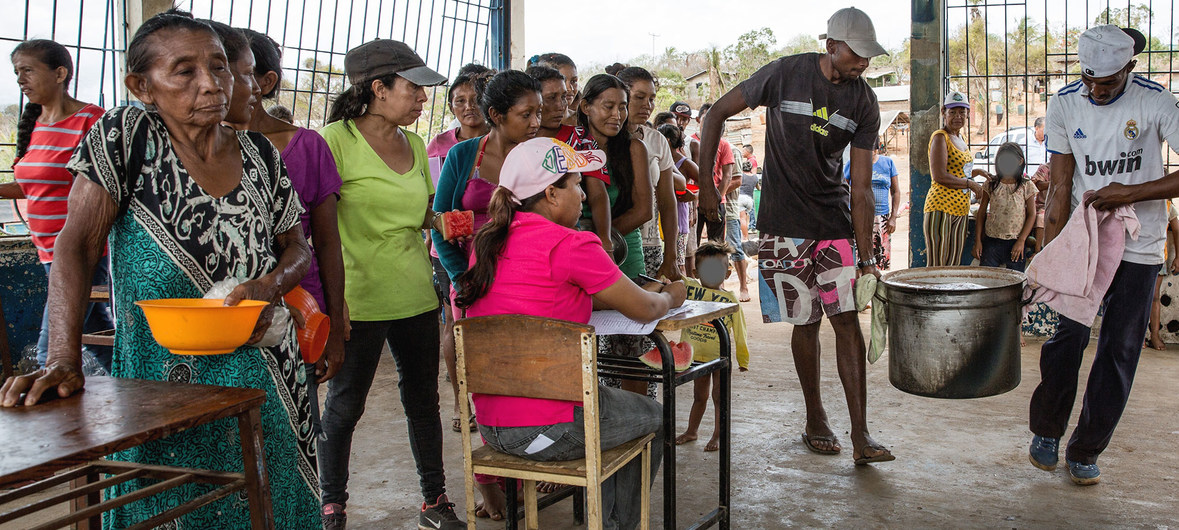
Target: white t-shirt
1119	142
658	160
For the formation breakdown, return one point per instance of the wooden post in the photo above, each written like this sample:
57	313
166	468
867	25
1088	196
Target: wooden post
249	426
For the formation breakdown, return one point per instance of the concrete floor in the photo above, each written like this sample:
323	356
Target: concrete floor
959	463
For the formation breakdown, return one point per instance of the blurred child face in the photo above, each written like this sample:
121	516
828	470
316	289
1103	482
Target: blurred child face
1008	164
712	271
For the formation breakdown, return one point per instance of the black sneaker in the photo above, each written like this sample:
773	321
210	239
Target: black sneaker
439	515
334	517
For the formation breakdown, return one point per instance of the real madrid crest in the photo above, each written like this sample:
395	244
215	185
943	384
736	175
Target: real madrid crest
1131	130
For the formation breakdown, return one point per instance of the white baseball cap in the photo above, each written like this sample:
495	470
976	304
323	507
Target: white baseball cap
534	165
956	99
853	26
1105	50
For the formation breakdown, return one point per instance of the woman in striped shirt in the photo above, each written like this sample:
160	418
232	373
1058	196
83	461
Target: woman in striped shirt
52	125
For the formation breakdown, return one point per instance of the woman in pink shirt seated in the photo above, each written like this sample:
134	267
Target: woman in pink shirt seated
529	260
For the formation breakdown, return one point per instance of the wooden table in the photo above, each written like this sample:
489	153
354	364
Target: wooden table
112	415
633	369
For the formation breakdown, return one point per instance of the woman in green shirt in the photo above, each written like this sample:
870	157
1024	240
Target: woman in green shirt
388	283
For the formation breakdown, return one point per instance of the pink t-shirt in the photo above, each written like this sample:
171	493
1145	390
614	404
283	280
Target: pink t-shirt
550	271
441	144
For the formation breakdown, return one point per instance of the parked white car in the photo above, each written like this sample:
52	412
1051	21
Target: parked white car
1025	137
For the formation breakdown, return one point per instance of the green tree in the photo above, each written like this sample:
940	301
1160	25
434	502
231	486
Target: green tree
315	88
751	52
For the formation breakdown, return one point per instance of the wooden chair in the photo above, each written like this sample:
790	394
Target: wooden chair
523	356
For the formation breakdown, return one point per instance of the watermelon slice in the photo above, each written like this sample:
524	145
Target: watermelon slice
681	353
457	224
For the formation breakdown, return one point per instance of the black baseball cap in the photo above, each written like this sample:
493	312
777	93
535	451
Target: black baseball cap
680	108
381	57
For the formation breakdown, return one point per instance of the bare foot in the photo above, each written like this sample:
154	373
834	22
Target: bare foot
744	295
1156	343
547	487
712	445
494	502
685	438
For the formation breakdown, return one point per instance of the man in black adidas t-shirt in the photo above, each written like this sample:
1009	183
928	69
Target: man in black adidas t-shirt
816	104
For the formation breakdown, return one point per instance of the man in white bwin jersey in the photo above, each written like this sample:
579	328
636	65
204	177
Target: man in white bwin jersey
1105	133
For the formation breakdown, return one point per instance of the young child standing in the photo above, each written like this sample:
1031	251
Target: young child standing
712	267
1006	213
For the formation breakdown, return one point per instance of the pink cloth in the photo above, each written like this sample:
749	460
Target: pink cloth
1073	272
441	144
550	271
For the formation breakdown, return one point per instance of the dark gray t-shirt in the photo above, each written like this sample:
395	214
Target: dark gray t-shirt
748	183
809	120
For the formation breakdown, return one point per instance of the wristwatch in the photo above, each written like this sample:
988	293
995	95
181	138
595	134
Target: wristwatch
870	262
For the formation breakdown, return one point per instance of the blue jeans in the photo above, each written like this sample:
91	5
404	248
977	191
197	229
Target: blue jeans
97	318
997	253
1127	308
414	344
733	236
623	416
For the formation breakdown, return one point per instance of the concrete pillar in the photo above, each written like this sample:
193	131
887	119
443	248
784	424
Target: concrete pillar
519	60
927	71
140	10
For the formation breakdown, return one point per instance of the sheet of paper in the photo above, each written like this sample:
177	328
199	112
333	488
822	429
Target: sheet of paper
612	322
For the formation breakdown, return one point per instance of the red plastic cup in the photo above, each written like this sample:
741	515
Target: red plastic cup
314	335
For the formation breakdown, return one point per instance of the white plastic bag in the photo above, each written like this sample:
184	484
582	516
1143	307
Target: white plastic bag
280	320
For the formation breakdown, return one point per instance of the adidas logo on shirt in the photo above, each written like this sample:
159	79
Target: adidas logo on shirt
1079	135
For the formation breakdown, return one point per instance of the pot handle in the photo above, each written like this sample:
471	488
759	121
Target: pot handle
1031	296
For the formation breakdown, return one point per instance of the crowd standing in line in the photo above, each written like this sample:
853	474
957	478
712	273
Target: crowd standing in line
576	197
151	179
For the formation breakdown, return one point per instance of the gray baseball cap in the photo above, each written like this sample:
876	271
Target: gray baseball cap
853	26
381	57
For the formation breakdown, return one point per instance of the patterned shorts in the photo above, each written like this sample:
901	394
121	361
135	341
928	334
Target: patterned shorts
801	279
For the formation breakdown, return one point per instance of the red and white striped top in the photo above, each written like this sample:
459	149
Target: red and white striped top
43	177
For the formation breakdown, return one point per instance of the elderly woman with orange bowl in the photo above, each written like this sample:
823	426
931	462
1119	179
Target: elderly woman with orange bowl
186	202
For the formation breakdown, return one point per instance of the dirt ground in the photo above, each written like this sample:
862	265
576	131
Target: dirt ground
959	463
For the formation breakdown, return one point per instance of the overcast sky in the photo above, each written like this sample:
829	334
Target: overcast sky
624	27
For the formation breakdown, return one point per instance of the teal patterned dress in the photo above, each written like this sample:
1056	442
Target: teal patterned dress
172	240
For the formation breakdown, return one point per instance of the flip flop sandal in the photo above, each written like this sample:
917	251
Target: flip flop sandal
806	440
886	456
456	424
470	424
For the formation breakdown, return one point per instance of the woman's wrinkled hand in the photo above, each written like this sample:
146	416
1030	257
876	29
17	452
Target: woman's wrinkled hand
65	378
262	289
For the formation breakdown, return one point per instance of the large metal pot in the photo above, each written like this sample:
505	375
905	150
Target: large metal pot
954	331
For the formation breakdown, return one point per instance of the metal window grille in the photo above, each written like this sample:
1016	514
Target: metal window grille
316	34
1009	56
93	31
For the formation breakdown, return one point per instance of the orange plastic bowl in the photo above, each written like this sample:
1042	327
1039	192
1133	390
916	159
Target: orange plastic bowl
199	326
313	337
